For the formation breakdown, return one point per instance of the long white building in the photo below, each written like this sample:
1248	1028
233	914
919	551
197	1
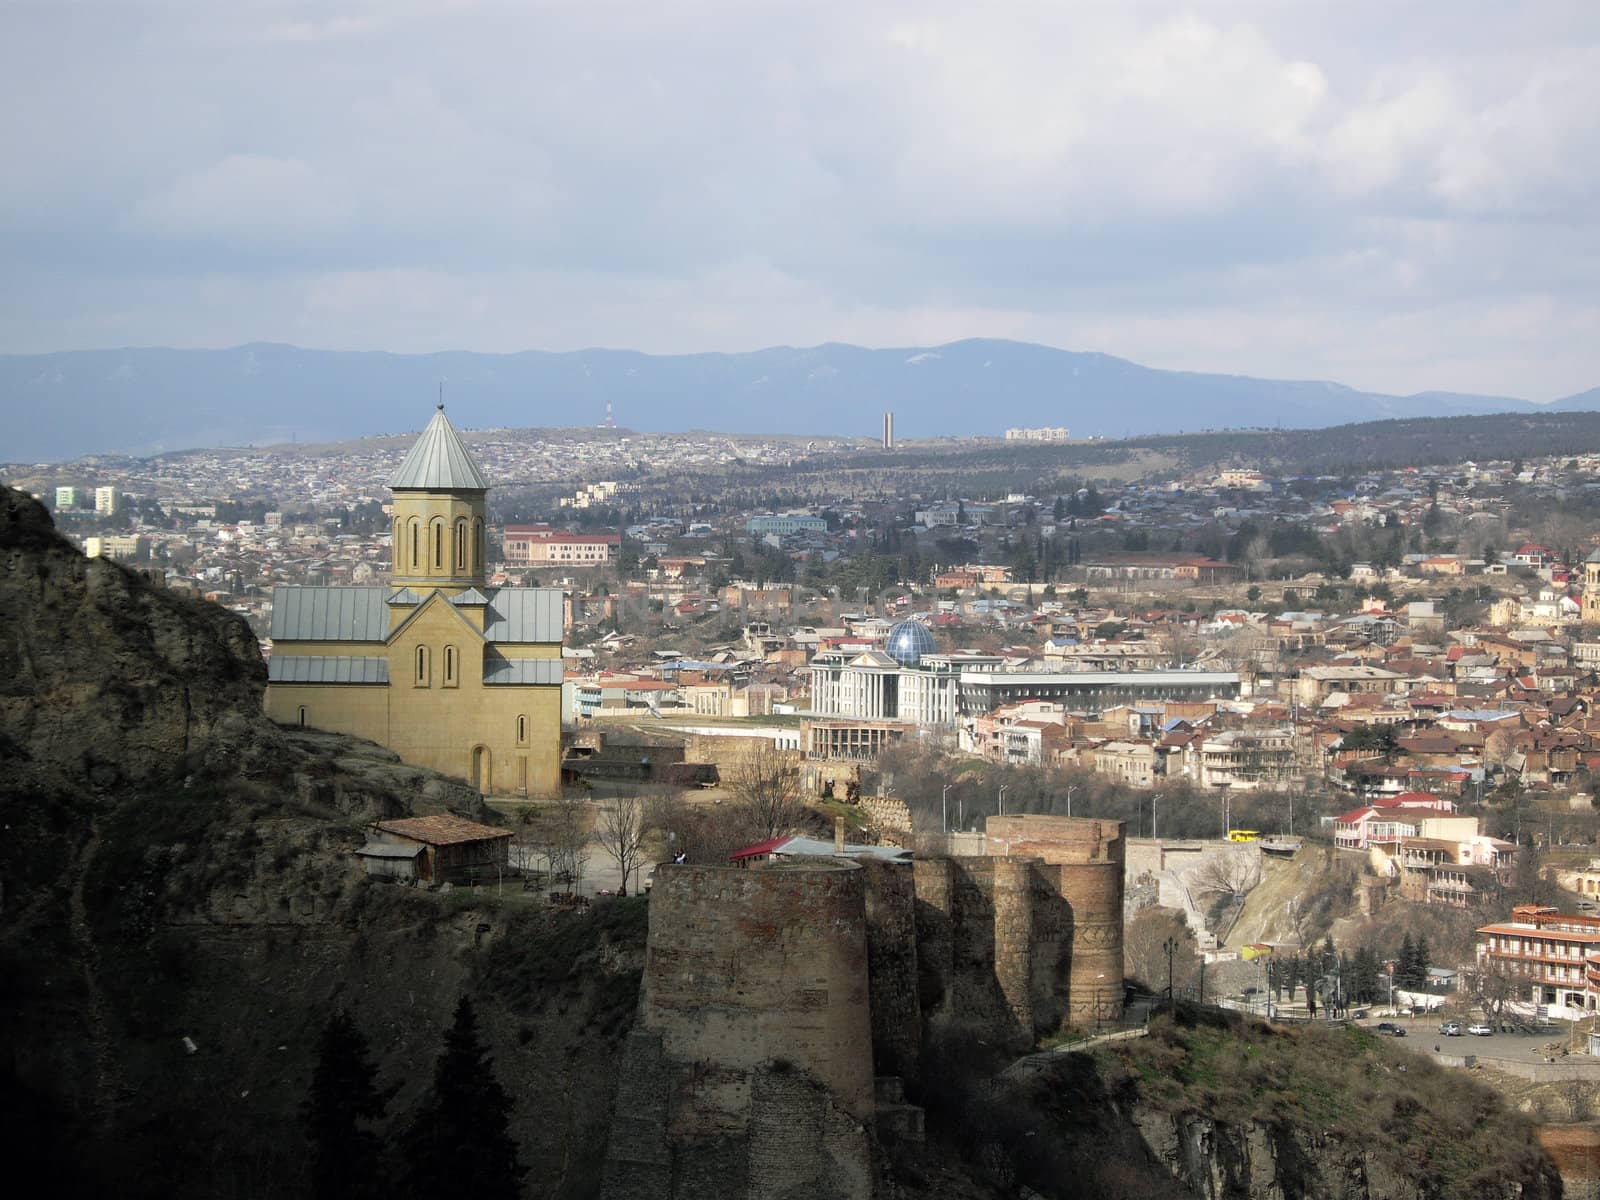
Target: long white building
907	681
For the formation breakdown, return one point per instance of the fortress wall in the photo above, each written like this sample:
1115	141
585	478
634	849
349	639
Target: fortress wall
934	886
1083	870
1014	946
892	965
746	967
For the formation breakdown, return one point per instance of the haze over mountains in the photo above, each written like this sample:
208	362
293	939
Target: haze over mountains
62	405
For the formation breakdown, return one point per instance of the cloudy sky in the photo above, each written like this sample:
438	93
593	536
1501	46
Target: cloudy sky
1398	196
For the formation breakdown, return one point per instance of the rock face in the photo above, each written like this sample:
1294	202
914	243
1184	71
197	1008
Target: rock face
180	912
107	681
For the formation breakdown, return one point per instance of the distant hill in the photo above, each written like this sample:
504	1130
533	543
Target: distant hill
72	403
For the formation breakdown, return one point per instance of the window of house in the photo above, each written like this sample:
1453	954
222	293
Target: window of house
302	715
416	555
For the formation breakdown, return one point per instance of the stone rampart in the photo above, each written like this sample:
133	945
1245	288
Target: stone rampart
750	1069
892	967
743	963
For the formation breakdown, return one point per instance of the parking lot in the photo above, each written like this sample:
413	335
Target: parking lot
1422	1035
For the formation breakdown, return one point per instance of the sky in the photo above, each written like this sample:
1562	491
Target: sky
1398	196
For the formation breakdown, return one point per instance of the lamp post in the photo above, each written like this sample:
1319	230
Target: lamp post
1003	787
944	807
1153	835
1070	790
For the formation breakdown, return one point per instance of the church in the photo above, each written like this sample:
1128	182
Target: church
444	670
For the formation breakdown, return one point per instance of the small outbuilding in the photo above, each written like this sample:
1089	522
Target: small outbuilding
436	849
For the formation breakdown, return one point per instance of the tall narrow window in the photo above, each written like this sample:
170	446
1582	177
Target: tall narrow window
449	666
522	730
438	546
422	666
416	554
461	545
302	716
477	544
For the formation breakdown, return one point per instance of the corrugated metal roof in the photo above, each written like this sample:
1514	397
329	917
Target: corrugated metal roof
439	462
329	614
326	668
470	596
523	615
404	596
521	671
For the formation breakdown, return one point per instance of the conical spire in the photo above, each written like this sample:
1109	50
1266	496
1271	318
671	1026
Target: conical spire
439	462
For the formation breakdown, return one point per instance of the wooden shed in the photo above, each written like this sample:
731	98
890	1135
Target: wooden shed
435	849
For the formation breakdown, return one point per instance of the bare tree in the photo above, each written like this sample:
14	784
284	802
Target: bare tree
1144	949
766	781
564	841
621	832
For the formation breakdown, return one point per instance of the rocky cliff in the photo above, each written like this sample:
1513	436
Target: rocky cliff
179	911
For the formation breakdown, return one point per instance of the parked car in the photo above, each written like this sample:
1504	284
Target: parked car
1479	1030
1388	1027
1451	1029
1359	1014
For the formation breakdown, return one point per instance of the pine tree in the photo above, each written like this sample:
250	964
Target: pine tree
1421	952
460	1141
343	1104
1405	968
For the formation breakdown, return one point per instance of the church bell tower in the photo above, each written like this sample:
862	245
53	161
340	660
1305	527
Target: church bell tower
439	533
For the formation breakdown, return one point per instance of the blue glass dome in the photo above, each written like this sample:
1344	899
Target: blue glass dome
908	642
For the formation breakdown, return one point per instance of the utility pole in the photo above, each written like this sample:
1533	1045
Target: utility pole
1153	799
944	808
1003	799
1070	790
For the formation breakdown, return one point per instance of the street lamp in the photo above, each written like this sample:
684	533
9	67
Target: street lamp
1070	790
1003	787
1153	799
944	807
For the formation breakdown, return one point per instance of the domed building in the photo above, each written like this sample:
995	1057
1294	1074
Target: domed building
908	642
444	670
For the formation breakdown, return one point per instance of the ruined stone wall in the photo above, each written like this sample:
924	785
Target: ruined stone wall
1078	906
750	1070
746	965
892	953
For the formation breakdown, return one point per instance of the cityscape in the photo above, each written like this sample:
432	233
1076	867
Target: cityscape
800	602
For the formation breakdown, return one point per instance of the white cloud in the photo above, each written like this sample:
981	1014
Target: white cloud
1258	188
249	196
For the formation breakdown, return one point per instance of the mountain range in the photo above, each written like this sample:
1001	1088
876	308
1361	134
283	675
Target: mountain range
142	401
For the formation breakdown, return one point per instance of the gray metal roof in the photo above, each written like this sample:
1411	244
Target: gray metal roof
523	615
470	596
521	671
329	614
404	596
439	462
324	668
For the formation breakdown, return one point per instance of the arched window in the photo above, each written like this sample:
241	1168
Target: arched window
397	543
438	545
422	666
449	666
522	730
416	549
461	545
477	544
302	716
